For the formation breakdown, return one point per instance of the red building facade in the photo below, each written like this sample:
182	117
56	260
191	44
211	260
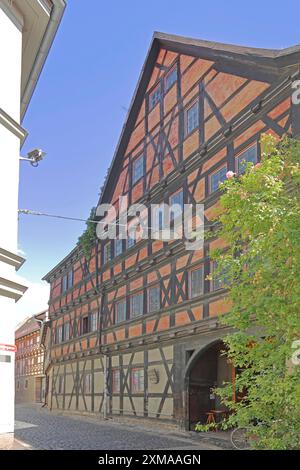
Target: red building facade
29	362
135	327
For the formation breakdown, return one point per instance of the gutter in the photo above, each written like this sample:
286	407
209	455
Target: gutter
48	38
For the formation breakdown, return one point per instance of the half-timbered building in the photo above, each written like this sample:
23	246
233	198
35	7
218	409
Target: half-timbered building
135	328
29	362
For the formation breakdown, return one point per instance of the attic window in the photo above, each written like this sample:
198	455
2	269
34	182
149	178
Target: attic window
154	97
138	169
171	78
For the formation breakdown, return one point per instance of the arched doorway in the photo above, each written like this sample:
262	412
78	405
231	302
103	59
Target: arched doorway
206	369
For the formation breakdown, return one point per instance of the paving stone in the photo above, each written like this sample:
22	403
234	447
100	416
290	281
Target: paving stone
48	430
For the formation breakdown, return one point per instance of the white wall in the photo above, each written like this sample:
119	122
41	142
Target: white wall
10	79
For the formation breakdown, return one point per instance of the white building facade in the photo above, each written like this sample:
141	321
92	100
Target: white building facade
27	30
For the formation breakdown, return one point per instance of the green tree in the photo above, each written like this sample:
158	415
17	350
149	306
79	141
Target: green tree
88	237
260	221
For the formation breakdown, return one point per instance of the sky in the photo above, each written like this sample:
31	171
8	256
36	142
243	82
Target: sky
80	103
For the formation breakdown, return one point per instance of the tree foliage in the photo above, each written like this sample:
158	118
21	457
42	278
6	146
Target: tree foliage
87	239
260	222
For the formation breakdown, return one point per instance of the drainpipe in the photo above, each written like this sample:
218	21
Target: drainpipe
105	387
105	371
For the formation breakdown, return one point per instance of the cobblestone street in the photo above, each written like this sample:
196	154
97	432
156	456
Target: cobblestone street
42	429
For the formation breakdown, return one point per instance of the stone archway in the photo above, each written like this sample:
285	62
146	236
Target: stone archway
206	369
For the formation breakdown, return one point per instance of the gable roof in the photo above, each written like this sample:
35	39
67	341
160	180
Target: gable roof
274	59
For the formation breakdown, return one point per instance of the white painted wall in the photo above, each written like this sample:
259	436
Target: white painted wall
10	79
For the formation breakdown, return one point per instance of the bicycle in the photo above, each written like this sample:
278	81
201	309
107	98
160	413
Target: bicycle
240	439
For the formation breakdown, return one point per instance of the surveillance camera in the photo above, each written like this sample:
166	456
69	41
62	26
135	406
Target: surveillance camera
35	156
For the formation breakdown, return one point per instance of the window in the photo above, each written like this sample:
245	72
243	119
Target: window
176	200
220	281
217	177
118	247
120	311
106	253
192	118
87	384
154	97
67	281
138	169
67	331
94	321
196	279
59	334
136	305
171	78
153	299
130	242
137	380
70	279
61	384
248	156
26	384
18	385
115	381
85	325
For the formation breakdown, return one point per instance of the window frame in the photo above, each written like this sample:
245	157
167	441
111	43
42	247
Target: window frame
156	286
188	109
85	323
67	281
173	69
59	334
114	389
123	301
181	190
211	191
67	329
237	157
106	260
133	242
152	104
135	179
120	241
196	268
212	285
93	323
138	390
137	294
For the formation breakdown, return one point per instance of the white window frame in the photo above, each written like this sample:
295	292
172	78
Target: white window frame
138	177
159	298
187	130
172	71
156	91
93	321
211	190
140	382
141	295
201	267
240	154
123	302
